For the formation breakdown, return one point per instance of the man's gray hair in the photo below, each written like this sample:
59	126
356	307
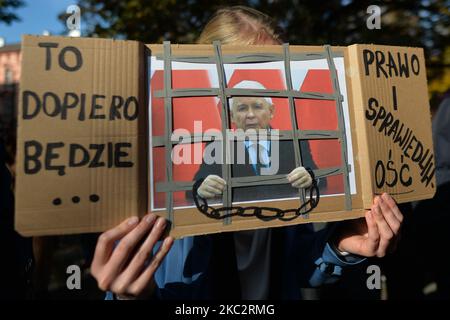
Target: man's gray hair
249	84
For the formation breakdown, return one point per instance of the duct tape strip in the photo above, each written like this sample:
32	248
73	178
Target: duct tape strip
295	140
226	169
341	127
207	92
159	141
247	181
251	58
168	128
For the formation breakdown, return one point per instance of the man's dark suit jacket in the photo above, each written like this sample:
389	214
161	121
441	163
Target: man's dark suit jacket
286	165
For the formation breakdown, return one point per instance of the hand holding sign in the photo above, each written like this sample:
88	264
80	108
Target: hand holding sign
374	235
129	268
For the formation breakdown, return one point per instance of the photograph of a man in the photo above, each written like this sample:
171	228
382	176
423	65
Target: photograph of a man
255	157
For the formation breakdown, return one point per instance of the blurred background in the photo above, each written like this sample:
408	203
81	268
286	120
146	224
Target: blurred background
419	268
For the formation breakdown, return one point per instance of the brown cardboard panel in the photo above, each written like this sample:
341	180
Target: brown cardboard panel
391	103
79	135
99	193
355	100
189	221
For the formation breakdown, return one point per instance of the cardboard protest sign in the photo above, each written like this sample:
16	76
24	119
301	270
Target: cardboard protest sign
316	117
329	104
390	85
79	135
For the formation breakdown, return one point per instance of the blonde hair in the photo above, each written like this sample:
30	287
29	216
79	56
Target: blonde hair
240	25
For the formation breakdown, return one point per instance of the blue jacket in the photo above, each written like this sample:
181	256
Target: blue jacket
204	267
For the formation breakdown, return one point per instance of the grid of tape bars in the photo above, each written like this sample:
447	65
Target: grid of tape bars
170	186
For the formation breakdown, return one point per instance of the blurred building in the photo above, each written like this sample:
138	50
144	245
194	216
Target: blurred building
10	58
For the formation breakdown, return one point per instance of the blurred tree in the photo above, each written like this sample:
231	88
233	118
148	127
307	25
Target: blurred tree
7	8
148	21
423	23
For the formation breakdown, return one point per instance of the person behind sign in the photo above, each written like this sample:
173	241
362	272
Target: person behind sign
17	252
217	266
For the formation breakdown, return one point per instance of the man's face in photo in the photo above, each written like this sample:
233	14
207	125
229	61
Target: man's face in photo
251	113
